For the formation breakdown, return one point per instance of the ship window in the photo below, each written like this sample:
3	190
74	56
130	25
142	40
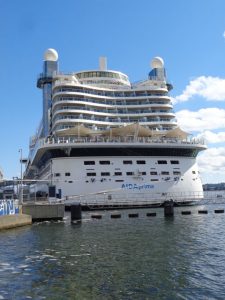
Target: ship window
89	162
105	174
130	173
127	162
91	174
154	179
119	180
118	173
164	173
143	173
141	162
176	173
57	174
174	162
193	172
104	162
153	173
162	162
67	174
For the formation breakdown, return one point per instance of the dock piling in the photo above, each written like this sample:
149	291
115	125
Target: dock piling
169	208
76	215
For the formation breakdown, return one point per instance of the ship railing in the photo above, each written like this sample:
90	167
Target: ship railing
53	141
127	139
140	199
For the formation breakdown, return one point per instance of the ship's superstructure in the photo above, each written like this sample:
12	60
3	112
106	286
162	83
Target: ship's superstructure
103	138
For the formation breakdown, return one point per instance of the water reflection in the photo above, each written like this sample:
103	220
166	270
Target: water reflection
128	258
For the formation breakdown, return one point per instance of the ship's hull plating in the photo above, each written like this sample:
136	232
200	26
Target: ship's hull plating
133	180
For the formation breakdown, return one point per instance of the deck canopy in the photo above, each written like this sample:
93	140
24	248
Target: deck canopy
79	130
177	133
134	130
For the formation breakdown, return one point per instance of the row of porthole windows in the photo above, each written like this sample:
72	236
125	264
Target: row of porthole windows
130	162
130	173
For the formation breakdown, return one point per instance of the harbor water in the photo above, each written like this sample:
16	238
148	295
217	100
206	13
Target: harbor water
180	257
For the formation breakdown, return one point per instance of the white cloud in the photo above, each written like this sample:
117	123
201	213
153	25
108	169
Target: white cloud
212	164
210	88
211	137
201	120
224	34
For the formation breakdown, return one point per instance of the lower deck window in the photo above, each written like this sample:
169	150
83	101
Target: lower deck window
104	162
130	173
165	173
127	162
153	173
141	162
91	174
162	162
118	173
176	173
89	162
105	174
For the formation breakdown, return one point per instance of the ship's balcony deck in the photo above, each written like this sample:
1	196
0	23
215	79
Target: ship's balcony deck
119	139
116	142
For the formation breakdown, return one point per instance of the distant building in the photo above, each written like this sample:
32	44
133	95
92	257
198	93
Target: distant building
214	186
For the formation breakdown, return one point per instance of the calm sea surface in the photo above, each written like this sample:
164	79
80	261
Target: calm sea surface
129	258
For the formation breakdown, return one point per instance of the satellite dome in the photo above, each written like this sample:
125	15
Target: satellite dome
157	62
51	55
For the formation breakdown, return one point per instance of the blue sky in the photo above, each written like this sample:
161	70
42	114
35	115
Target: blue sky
188	35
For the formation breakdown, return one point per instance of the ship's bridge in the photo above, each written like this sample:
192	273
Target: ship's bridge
100	77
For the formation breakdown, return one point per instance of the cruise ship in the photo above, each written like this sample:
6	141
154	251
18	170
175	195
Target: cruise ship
106	141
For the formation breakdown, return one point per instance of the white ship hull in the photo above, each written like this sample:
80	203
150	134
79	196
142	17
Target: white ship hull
129	179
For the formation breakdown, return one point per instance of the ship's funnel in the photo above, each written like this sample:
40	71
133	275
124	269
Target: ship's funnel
103	63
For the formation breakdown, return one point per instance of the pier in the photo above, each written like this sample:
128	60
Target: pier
44	211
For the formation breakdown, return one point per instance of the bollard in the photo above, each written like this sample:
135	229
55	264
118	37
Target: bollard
168	208
186	212
219	211
115	216
153	214
96	216
133	215
76	213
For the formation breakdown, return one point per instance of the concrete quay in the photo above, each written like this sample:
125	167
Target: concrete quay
12	221
44	211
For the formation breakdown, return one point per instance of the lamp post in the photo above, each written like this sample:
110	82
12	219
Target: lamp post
21	174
